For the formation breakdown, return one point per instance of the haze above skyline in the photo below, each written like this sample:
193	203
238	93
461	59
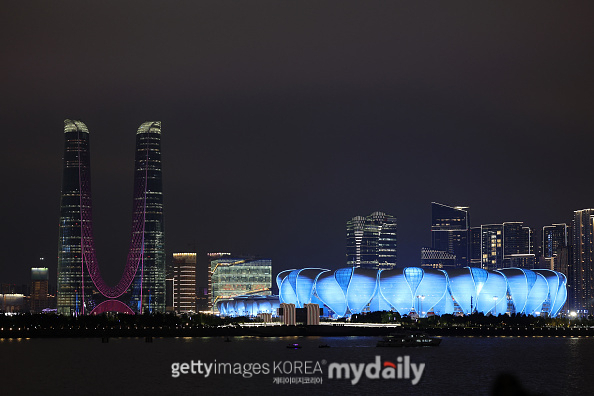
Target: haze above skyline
281	121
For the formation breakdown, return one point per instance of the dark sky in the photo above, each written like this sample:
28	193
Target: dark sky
282	120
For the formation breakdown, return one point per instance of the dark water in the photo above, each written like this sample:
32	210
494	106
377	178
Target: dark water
459	366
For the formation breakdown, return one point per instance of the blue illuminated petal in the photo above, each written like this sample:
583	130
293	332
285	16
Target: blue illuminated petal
538	294
329	291
493	296
463	289
396	290
517	284
430	291
361	290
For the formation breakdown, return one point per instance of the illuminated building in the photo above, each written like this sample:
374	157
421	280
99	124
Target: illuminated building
184	282
251	306
39	289
505	245
450	227
425	291
582	272
556	247
432	258
12	302
237	276
554	237
371	241
475	246
492	246
81	289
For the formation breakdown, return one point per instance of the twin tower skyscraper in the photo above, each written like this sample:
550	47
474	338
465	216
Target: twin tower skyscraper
81	289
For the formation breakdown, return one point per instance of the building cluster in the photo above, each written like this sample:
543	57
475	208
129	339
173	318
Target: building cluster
210	283
35	297
566	248
490	256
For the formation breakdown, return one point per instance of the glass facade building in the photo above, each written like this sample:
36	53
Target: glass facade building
81	289
248	305
236	276
371	241
505	245
450	228
554	237
425	291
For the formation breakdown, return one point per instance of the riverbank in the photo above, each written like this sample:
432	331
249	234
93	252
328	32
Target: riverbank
337	330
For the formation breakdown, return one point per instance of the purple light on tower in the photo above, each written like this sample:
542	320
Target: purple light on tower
76	226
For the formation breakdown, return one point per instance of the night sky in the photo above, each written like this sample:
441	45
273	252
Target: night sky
282	120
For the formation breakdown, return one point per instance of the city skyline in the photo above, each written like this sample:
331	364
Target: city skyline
281	129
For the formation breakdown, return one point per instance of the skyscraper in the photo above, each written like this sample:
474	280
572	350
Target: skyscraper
371	241
554	237
581	283
81	288
450	229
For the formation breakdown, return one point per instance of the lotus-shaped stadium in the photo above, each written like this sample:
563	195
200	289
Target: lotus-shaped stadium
424	291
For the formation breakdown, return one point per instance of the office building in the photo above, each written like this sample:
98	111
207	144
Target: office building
475	246
38	299
506	245
371	241
582	272
450	228
184	282
554	237
239	276
81	289
556	247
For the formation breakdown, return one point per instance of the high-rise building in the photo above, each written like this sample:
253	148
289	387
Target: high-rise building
555	247
506	245
184	282
450	228
475	246
492	246
38	300
371	241
81	289
202	277
581	282
554	237
238	276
